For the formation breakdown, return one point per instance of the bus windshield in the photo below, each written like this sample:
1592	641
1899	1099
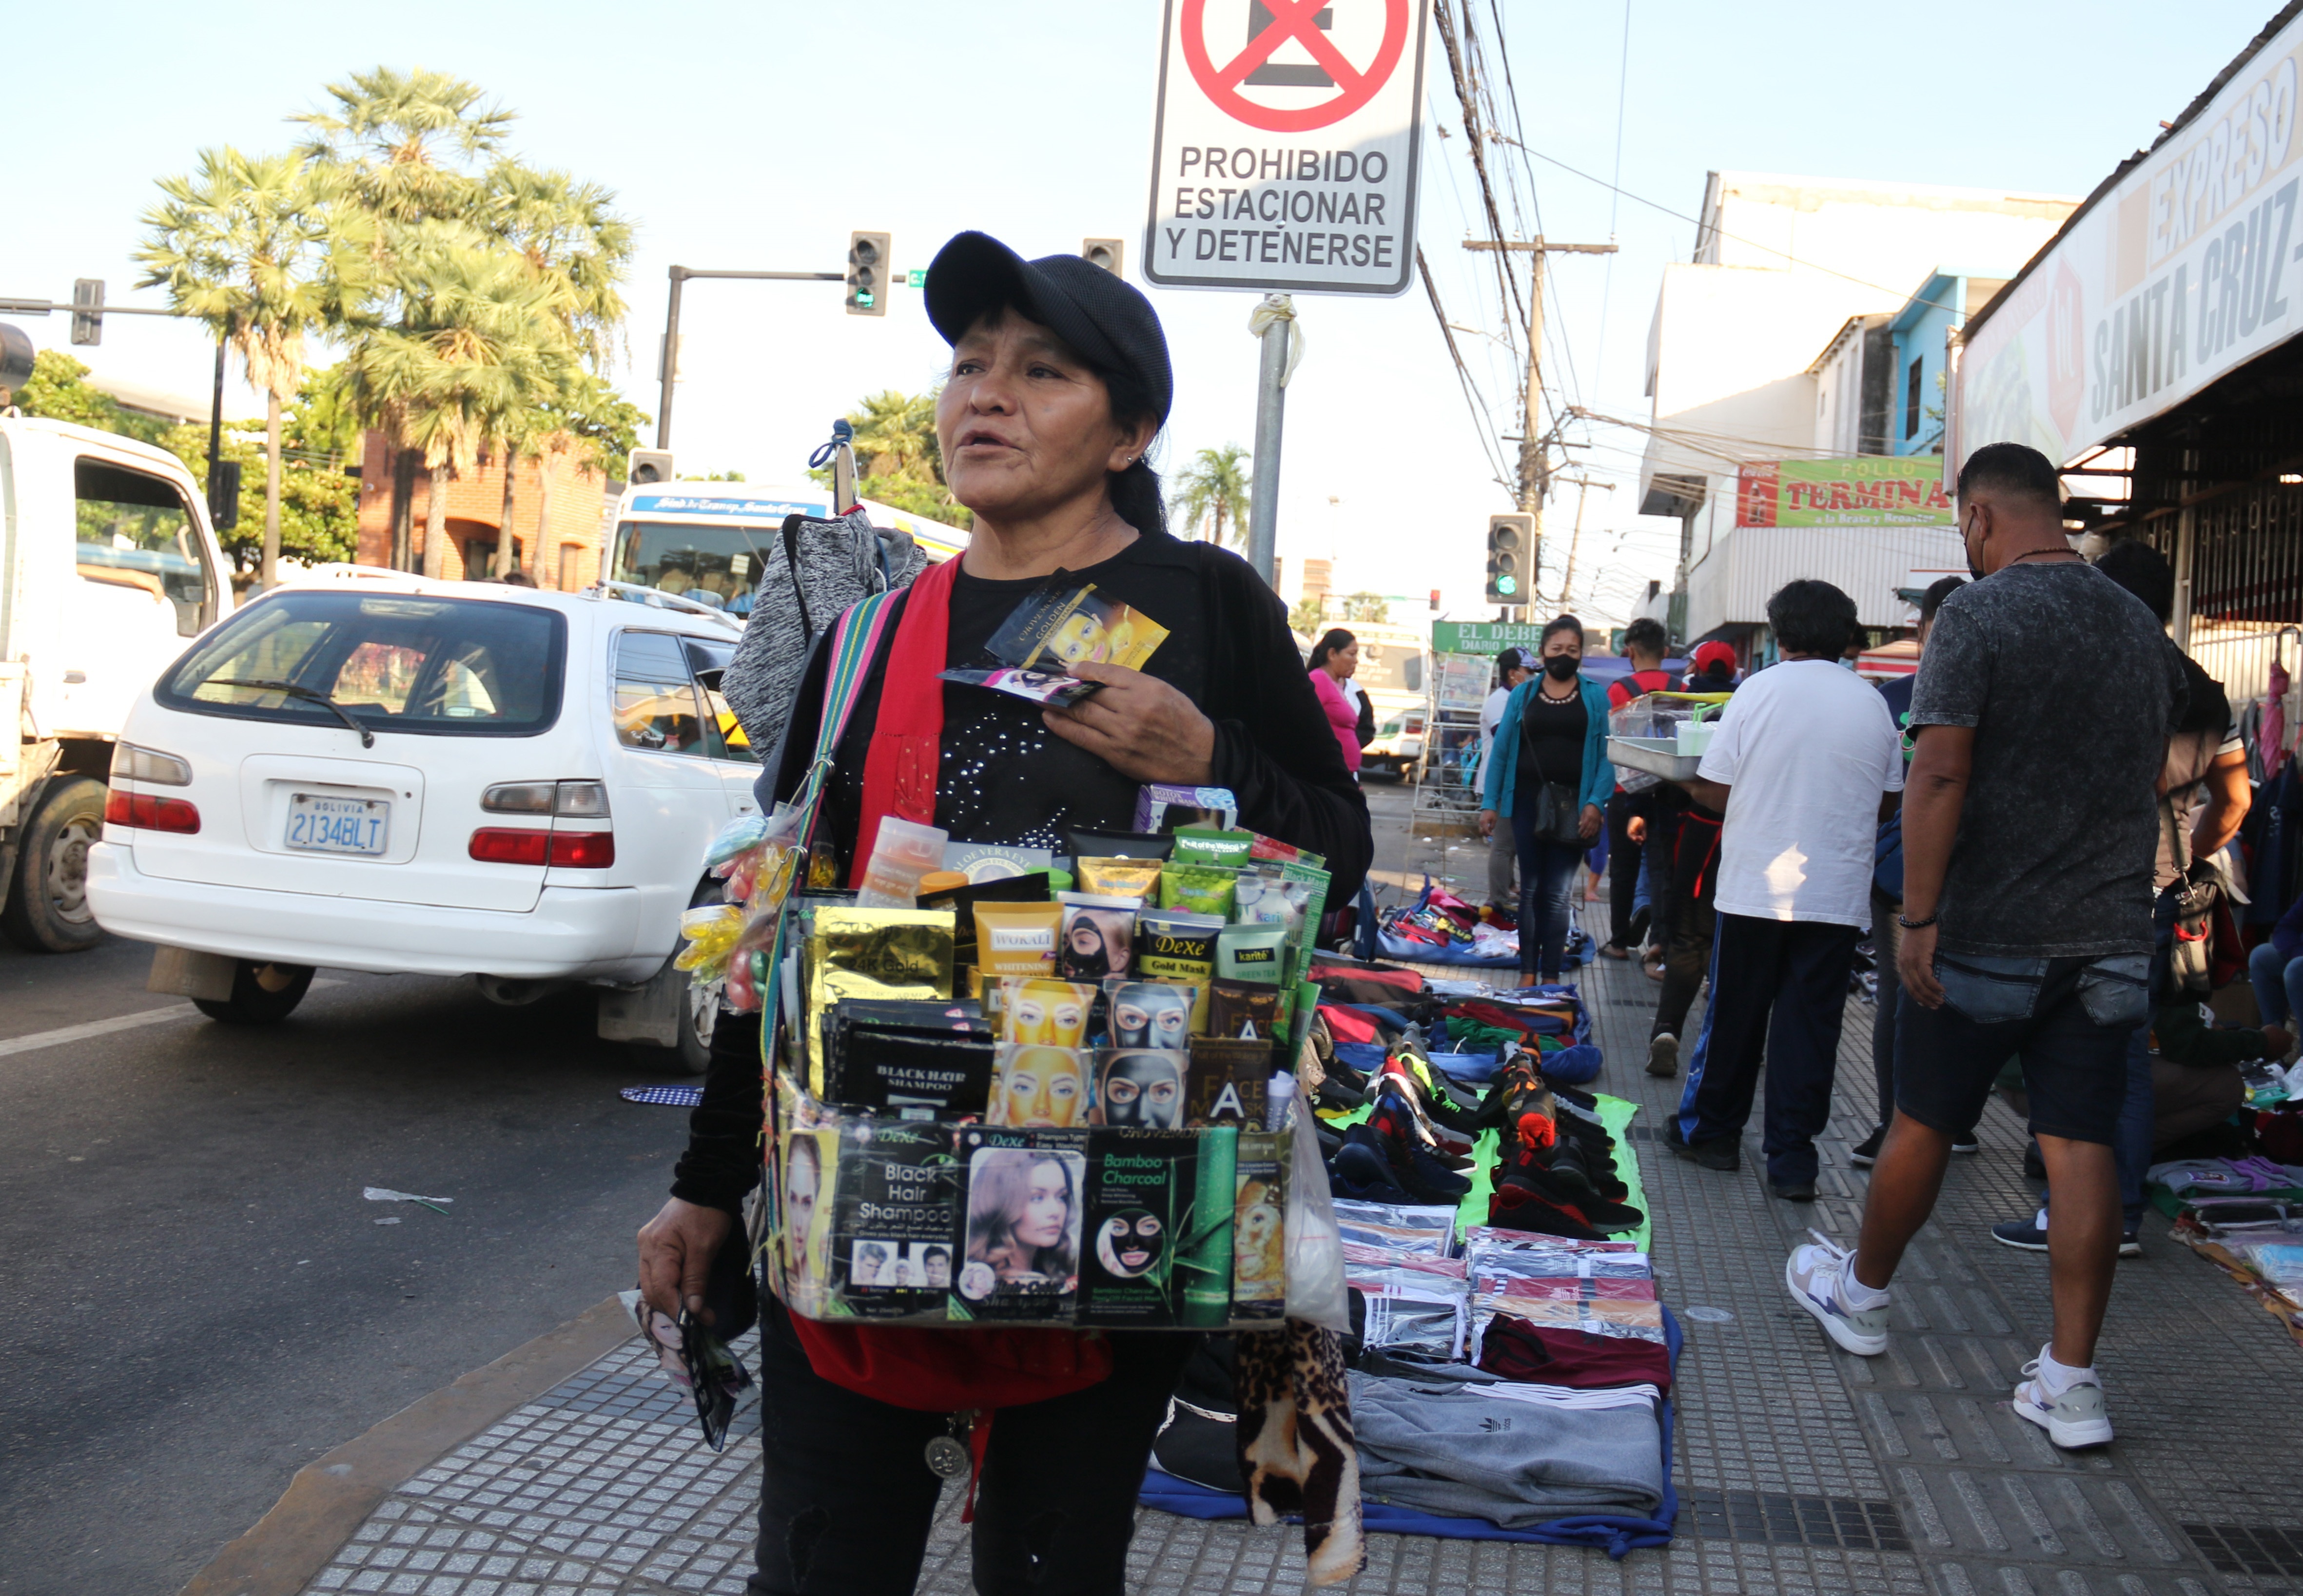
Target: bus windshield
713	563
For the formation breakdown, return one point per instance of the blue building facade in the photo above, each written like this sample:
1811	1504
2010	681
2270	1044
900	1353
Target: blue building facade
1922	331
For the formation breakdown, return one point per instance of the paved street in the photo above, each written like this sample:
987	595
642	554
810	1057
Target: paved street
198	1300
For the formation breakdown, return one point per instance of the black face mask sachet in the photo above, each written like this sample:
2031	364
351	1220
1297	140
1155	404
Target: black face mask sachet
1121	845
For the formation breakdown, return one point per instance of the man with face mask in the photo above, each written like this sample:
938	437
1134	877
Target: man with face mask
2042	708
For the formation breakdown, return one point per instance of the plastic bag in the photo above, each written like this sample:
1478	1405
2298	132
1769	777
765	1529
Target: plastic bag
1316	1293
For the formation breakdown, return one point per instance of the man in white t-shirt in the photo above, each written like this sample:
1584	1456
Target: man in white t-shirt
1804	757
1513	666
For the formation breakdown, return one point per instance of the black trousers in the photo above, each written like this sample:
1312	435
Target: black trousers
1623	867
1694	886
1778	994
847	1498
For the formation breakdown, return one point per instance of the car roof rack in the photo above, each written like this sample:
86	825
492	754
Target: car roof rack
635	593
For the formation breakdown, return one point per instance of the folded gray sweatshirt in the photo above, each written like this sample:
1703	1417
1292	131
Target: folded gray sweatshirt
1456	1450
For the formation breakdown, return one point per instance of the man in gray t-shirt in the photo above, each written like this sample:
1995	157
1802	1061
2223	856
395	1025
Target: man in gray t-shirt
2042	710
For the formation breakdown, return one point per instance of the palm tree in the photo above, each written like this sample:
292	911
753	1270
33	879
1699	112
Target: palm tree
1215	486
259	249
409	142
896	435
474	345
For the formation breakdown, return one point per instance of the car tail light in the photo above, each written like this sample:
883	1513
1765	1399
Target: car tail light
132	764
573	800
566	850
583	850
508	845
150	813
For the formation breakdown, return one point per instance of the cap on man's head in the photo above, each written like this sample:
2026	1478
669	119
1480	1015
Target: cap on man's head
1714	653
1514	659
1109	323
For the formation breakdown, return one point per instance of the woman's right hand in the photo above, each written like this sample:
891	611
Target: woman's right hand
1487	822
676	1252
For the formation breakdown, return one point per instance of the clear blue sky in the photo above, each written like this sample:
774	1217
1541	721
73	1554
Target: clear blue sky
757	136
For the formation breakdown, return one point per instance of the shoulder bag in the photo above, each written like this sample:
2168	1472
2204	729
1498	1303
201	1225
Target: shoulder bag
1558	817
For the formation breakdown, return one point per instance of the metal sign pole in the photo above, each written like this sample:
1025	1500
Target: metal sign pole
1270	412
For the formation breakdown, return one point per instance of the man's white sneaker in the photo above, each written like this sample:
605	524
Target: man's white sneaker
2074	1419
1816	1275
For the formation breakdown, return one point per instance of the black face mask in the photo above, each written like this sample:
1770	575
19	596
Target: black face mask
1562	667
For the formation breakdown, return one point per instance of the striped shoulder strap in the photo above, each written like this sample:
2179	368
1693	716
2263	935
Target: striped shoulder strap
856	638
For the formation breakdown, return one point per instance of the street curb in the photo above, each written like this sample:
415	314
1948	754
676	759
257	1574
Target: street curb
332	1497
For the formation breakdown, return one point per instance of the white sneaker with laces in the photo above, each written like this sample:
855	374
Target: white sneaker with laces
1816	1275
2074	1419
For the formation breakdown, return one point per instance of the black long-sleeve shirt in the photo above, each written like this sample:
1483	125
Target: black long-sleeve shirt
1003	777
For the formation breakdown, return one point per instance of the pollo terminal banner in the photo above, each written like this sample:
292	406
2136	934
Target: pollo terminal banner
1865	490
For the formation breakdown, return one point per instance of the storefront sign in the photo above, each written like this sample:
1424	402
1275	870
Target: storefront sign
1866	491
1483	637
2179	272
1285	153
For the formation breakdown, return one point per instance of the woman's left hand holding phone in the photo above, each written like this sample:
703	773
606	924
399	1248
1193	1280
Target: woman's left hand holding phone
1140	726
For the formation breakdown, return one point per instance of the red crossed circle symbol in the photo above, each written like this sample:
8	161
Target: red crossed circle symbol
1292	18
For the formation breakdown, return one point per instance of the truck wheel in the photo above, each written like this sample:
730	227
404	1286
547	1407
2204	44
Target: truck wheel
262	994
47	909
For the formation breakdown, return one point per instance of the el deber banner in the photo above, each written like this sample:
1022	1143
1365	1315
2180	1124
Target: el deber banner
1866	490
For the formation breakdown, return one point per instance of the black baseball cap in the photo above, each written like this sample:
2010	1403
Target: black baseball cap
1108	322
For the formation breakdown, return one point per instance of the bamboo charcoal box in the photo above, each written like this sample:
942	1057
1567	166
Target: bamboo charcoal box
895	1218
1020	1239
1258	1243
1140	1186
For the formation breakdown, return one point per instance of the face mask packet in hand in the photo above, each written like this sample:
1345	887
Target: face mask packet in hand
1136	879
1042	1010
1066	623
1226	1082
1204	845
902	852
1199	889
1148	1014
1242	1010
1099	936
1119	845
1035	687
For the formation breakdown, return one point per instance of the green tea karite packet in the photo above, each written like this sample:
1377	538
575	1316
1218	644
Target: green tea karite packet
1257	953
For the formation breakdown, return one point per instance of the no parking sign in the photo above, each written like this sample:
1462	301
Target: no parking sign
1287	150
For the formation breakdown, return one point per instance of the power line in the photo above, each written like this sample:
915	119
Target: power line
1483	425
1614	200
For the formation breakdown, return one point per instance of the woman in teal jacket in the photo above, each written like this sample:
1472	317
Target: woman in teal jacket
1555	730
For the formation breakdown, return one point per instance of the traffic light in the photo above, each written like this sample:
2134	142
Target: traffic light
88	311
1511	558
648	466
223	496
868	274
1110	254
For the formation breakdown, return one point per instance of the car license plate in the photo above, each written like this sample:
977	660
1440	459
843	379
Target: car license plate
319	823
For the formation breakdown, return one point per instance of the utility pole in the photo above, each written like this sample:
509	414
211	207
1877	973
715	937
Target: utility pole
1575	539
1534	455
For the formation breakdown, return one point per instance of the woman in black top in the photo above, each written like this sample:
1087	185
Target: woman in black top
1059	380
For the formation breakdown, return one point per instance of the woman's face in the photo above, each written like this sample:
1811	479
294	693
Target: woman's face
801	1178
1567	643
1047	1207
1345	662
1043	1087
1049	1014
1024	424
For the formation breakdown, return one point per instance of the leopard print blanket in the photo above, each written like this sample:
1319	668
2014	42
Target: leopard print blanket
1295	1444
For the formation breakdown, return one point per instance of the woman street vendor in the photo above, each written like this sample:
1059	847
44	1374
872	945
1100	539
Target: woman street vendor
1059	382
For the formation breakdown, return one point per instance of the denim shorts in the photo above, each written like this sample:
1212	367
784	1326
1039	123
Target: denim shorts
2069	1020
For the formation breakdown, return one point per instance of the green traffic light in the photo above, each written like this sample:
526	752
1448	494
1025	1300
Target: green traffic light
1506	584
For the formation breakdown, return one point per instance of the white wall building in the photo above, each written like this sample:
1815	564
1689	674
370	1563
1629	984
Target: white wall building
1757	351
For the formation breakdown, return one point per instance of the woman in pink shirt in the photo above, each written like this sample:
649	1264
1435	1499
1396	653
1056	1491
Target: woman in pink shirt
1334	658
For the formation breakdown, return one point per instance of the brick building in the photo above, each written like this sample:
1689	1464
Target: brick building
565	556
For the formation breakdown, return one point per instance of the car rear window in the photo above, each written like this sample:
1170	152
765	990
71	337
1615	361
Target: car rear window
441	667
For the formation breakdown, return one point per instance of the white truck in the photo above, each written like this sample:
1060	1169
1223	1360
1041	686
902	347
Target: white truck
108	570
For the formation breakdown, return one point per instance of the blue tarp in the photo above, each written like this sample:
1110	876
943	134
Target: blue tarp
1616	1535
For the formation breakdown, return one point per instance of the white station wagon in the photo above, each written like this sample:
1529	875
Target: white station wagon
375	771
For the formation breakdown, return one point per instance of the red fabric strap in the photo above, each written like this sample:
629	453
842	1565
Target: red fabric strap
899	772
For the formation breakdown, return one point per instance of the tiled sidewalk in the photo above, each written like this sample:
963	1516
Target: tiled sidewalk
1800	1470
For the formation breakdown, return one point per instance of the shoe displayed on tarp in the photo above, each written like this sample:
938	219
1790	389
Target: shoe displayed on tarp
1517	1207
